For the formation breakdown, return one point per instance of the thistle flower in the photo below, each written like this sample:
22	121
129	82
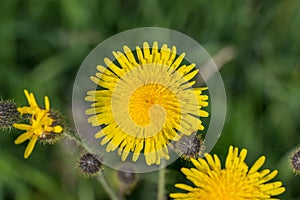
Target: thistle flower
235	181
41	123
295	161
89	164
8	114
144	101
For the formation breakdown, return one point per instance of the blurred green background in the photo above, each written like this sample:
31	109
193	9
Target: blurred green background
42	44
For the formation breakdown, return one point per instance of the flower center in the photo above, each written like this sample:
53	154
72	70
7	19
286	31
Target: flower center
150	101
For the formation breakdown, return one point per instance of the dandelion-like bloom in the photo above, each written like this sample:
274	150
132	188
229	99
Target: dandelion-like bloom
41	124
235	181
145	100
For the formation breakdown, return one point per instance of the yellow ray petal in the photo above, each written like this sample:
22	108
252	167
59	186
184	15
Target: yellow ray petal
257	164
172	56
147	54
177	62
57	129
47	103
130	55
30	146
33	102
140	55
118	71
22	138
22	126
27	96
165	53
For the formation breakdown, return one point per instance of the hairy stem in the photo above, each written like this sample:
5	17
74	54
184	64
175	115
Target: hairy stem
161	184
106	187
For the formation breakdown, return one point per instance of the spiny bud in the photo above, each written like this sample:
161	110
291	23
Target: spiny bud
295	161
50	137
188	147
89	164
8	114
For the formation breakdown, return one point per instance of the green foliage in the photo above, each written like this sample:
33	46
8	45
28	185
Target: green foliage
42	44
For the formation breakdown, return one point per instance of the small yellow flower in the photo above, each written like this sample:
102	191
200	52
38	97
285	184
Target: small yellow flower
145	99
234	182
40	123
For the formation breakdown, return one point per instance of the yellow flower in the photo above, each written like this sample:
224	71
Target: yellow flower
235	182
40	123
144	101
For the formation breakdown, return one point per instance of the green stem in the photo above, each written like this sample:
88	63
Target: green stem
106	187
72	135
161	184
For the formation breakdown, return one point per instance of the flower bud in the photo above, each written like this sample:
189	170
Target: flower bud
89	164
8	114
188	147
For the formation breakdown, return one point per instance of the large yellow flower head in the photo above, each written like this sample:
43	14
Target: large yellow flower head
145	99
41	123
234	182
